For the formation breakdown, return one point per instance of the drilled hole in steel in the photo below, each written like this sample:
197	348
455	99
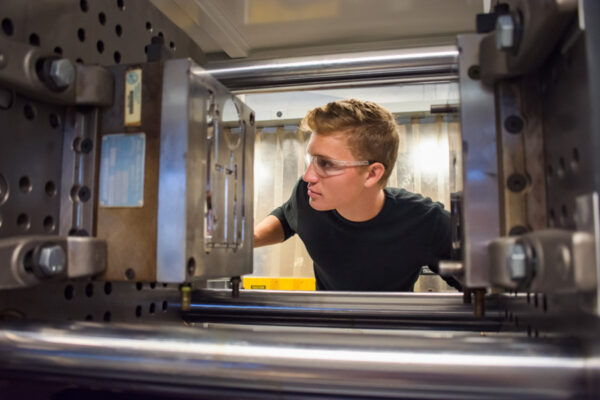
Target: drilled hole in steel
81	34
100	46
108	288
191	266
138	311
23	222
49	224
528	330
119	30
25	184
535	300
545	303
102	18
83	4
29	111
8	27
50	189
152	285
89	290
7	98
79	61
146	49
121	4
54	120
148	26
574	160
172	46
117	57
139	285
107	316
3	189
130	274
551	217
34	40
152	308
160	35
89	317
69	292
165	305
58	50
561	168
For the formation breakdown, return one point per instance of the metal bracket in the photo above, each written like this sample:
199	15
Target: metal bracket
32	260
38	74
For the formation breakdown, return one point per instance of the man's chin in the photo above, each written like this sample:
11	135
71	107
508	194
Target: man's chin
318	205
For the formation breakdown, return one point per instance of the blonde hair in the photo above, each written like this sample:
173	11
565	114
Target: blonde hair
371	130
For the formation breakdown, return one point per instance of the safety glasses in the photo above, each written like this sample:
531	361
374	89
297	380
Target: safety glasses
325	167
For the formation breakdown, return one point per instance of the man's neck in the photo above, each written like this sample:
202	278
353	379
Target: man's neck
366	208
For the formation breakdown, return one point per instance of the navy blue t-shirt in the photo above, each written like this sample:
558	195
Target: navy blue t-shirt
385	253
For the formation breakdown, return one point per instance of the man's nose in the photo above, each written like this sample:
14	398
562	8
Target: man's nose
310	175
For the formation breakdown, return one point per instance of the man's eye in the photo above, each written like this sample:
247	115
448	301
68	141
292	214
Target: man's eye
323	163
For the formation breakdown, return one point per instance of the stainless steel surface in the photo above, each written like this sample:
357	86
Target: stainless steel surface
434	311
87	256
481	221
205	192
428	62
325	364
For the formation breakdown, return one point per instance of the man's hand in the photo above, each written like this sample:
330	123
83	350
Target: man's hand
268	231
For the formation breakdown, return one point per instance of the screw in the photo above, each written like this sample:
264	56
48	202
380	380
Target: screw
516	262
474	72
516	183
513	124
51	260
505	32
62	73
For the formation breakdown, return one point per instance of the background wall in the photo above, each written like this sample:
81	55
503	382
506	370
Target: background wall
429	146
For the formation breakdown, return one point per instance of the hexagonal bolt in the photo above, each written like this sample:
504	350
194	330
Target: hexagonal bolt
516	262
52	260
62	73
505	32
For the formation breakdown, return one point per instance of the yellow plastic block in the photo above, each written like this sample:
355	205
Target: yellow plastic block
267	283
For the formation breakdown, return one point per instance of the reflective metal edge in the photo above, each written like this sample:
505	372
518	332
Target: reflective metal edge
287	362
431	61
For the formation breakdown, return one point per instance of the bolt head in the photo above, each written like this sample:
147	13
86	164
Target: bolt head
52	260
505	32
516	262
62	73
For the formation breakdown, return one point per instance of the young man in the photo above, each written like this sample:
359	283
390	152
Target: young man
360	235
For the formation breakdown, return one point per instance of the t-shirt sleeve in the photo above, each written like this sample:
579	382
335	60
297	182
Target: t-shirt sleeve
287	213
441	244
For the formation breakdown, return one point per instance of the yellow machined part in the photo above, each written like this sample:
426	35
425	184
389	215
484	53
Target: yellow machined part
279	283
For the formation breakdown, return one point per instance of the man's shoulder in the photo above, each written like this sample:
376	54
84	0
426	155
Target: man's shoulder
404	199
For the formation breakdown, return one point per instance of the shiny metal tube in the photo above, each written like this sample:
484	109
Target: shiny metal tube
291	364
428	63
343	309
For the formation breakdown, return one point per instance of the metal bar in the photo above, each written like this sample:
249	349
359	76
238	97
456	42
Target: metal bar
296	363
480	165
298	71
346	309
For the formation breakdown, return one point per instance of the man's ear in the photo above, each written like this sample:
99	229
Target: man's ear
376	171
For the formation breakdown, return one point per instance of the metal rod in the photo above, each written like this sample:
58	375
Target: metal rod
372	365
428	62
343	309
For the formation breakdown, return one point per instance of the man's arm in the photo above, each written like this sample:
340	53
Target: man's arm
268	231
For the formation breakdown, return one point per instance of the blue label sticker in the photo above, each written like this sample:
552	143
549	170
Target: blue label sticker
122	170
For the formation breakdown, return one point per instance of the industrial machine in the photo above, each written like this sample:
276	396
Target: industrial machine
126	182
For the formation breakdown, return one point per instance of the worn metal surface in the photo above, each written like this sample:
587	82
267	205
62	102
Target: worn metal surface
481	221
205	194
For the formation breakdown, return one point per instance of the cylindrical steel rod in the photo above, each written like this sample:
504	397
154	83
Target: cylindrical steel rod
372	365
427	62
